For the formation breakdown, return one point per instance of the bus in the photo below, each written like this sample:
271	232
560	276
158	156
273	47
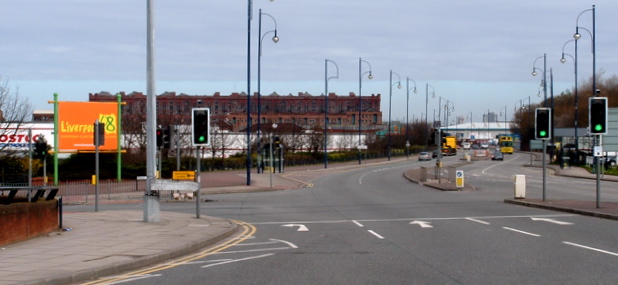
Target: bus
506	144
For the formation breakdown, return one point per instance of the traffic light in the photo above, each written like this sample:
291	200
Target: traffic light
99	130
167	137
200	126
40	149
542	124
159	138
597	115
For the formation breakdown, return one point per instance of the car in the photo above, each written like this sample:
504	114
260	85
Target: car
465	145
484	145
422	156
434	153
497	155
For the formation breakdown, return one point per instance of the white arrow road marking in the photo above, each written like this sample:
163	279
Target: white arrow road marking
301	228
551	221
422	224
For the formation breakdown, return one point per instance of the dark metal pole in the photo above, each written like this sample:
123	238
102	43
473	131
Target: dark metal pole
249	92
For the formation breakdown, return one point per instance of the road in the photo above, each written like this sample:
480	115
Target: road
372	226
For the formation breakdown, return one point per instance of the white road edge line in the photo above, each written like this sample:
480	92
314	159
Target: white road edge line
591	248
478	221
358	224
527	233
375	234
138	277
286	242
242	259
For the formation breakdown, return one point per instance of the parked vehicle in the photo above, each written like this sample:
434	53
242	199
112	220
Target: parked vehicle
465	145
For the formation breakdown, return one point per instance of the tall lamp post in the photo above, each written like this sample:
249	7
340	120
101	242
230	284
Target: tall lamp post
534	73
275	39
407	113
360	103
577	36
427	103
390	99
505	129
326	79
563	60
249	18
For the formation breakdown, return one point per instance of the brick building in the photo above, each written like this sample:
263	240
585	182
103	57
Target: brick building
229	112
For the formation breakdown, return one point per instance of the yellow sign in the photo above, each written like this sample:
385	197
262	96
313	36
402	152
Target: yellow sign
459	179
183	175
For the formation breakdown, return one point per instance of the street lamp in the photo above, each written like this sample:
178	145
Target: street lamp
577	36
534	69
505	131
407	119
360	103
390	99
326	79
249	17
563	60
426	103
275	39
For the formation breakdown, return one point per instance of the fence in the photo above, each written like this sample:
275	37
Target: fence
84	191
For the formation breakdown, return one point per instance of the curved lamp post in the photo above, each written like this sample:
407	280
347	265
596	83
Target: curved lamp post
390	99
360	103
433	95
249	18
544	82
407	113
577	36
563	60
275	39
326	79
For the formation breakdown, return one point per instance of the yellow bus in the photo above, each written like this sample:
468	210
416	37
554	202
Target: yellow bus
506	144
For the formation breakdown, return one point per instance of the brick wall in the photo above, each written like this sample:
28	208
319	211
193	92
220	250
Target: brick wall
22	221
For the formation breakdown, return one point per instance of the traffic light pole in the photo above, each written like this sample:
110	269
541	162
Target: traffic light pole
197	177
598	172
544	169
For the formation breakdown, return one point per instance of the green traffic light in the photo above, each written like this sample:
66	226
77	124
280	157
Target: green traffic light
543	133
201	139
598	127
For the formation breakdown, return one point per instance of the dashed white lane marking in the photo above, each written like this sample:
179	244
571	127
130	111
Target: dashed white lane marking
591	248
522	232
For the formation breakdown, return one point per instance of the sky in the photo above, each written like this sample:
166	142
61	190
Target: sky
477	54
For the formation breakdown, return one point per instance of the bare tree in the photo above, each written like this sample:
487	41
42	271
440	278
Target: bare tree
14	110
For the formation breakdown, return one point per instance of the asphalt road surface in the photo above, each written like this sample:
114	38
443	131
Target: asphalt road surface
372	226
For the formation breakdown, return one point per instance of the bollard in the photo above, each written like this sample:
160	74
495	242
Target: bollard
520	186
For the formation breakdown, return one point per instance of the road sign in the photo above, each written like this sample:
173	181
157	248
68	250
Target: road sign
183	175
459	179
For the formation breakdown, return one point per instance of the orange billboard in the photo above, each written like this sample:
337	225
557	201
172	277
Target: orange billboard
76	125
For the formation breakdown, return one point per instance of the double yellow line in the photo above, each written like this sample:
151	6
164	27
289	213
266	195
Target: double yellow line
248	231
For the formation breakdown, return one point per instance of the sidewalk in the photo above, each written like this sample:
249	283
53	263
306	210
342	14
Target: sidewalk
111	242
